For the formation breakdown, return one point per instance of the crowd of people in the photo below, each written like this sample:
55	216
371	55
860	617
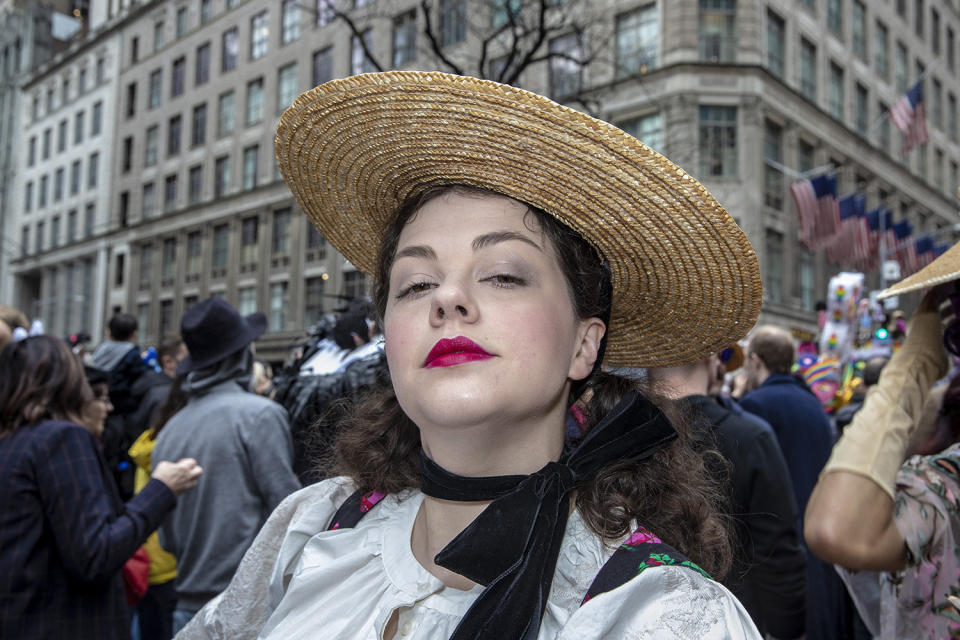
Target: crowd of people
527	432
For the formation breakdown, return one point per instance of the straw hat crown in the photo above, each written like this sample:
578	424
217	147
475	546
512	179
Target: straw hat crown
685	279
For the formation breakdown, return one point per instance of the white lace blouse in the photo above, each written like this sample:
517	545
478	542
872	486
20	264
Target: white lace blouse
299	580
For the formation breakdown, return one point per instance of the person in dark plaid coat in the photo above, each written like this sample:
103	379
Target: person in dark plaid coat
64	532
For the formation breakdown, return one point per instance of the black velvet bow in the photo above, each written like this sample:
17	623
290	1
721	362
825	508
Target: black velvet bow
512	547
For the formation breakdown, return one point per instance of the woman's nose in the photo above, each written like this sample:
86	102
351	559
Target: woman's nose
452	301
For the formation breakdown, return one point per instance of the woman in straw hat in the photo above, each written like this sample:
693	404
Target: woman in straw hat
516	244
890	521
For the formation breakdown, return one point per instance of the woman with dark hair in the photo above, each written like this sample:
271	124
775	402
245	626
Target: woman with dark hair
516	245
64	532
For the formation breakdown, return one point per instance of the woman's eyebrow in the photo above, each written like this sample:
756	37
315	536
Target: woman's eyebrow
416	251
488	239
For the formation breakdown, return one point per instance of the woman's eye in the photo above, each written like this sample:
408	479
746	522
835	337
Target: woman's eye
414	289
506	280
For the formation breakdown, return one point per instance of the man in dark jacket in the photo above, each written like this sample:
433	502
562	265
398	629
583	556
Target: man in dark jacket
769	569
806	439
152	387
120	357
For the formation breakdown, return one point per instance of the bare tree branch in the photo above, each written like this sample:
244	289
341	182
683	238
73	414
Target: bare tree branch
357	33
435	45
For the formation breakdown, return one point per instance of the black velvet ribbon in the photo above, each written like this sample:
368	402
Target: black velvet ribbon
512	546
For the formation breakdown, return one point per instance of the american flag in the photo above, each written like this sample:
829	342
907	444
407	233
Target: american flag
906	254
816	200
852	243
924	251
907	115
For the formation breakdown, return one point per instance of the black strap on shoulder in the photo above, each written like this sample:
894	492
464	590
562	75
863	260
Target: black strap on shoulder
640	552
354	508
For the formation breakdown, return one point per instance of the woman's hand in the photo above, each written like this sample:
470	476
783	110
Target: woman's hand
179	476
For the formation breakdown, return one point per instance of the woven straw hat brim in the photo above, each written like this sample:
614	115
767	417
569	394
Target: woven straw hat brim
943	269
686	281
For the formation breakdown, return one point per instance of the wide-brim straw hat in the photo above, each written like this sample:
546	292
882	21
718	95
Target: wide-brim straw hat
686	282
943	269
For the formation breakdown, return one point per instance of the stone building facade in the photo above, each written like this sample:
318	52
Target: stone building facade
189	202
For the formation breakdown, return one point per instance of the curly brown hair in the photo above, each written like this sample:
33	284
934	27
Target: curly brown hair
671	493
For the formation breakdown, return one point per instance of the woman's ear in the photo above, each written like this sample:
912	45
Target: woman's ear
589	336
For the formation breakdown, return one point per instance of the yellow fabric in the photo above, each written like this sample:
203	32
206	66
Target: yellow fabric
875	443
163	566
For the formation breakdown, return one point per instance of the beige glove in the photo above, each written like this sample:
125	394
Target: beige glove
875	443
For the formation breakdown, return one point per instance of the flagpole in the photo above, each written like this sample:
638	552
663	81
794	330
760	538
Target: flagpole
793	173
883	248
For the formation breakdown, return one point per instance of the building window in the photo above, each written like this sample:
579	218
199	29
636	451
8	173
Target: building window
808	69
325	12
194	253
134	50
229	50
718	141
250	167
221	176
119	271
859	30
75	177
93	169
773	281
78	128
146	265
453	21
249	241
648	129
181	22
354	284
131	109
206	11
918	17
168	261
96	121
805	279
835	17
359	61
88	221
247	300
951	50
935	31
179	77
157	36
174	129
148	201
198	133
278	306
143	318
566	68
55	232
861	109
25	241
82	81
322	66
32	151
281	233
225	110
880	52
836	91
259	35
290	18
938	168
62	136
636	41
901	68
152	145
718	41
72	225
156	81
775	43
47	137
404	38
316	244
42	196
952	116
286	86
937	106
313	309
254	101
58	185
221	245
166	318
124	215
195	184
202	70
170	193
28	197
39	238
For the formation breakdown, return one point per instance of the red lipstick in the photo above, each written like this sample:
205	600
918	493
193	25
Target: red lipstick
452	351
